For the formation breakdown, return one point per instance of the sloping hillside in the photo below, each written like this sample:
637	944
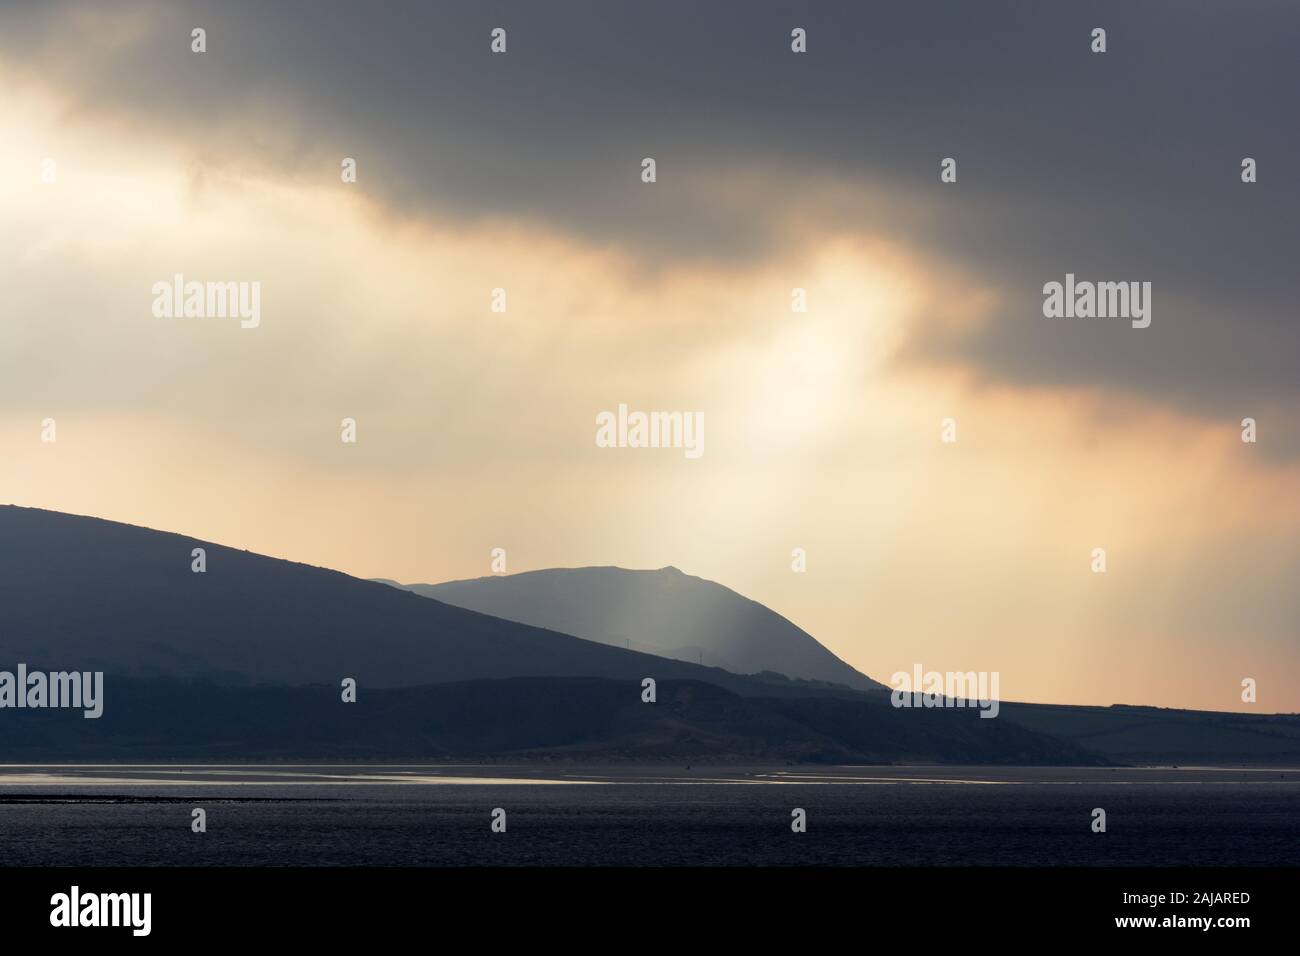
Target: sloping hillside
662	612
80	593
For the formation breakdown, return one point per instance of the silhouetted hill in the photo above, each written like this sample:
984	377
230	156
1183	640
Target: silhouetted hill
201	666
662	612
577	718
87	594
1159	735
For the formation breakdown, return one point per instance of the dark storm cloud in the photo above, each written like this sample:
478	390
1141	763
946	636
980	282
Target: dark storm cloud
1122	166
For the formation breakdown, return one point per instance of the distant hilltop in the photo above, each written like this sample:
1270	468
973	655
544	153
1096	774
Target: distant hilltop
663	612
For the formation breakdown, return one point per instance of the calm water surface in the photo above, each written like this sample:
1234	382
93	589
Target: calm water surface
435	816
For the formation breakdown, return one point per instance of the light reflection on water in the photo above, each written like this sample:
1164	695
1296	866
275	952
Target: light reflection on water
360	775
286	815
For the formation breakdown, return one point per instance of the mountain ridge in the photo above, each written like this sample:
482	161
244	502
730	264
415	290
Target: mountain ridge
86	593
662	611
256	647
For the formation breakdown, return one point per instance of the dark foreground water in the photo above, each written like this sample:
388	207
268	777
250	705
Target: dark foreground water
434	816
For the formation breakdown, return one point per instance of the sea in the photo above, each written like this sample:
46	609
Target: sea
554	814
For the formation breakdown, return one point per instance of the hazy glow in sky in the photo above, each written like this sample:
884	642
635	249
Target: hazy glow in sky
476	429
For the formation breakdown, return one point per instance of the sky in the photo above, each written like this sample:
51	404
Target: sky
775	170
